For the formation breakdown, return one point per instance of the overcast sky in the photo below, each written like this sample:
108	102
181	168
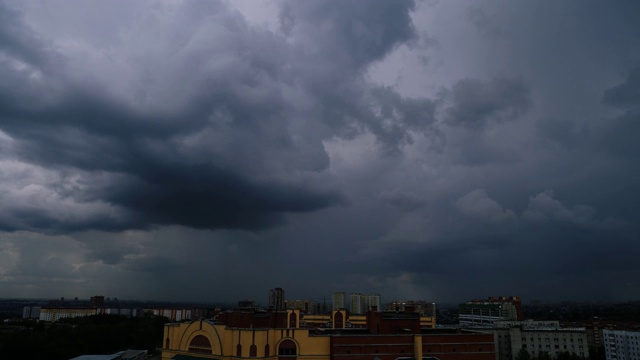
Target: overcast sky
212	150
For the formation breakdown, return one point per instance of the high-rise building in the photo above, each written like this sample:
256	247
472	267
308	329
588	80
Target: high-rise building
373	300
621	345
97	301
358	303
276	299
305	306
338	300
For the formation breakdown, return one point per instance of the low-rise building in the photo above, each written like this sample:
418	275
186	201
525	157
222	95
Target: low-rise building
483	313
57	313
537	337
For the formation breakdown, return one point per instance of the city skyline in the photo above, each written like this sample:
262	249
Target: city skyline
214	150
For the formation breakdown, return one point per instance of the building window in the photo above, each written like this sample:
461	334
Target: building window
239	350
288	349
253	351
266	350
166	343
200	344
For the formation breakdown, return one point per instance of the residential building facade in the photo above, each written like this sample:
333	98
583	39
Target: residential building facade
621	345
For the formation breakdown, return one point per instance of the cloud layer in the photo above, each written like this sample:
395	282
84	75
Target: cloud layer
418	150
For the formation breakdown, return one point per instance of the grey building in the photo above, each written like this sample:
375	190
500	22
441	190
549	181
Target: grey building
537	337
621	345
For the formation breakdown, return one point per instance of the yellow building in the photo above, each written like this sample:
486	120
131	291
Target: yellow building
428	322
237	335
206	340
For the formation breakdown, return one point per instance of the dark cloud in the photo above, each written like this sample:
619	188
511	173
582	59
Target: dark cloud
620	136
476	104
353	34
222	149
311	145
483	21
626	94
393	118
563	132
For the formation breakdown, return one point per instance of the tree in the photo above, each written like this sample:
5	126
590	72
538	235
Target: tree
564	355
523	354
543	355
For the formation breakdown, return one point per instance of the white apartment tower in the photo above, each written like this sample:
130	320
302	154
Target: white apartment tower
358	303
373	300
338	300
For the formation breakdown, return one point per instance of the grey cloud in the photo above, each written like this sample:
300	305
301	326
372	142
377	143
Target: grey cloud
544	207
187	113
354	34
231	145
404	200
477	204
287	20
18	42
476	104
626	94
565	133
394	118
484	22
619	137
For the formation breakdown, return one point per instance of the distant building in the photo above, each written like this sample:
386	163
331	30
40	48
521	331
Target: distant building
277	299
358	303
621	345
373	301
246	304
305	306
176	314
537	337
422	307
31	312
338	300
97	301
57	313
483	313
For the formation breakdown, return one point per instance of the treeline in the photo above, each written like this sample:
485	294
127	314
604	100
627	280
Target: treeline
68	338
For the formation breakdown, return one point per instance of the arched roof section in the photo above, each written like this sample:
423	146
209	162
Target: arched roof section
205	329
287	343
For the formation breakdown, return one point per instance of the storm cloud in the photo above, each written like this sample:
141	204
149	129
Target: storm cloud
442	151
